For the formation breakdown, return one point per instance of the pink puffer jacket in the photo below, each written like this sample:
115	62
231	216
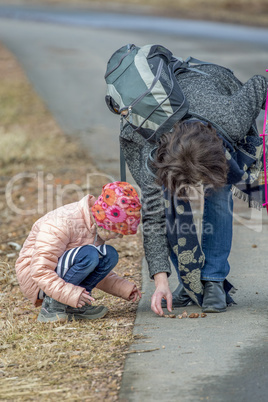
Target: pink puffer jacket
60	230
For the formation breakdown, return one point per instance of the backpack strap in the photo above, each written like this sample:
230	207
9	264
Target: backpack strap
180	66
186	65
191	59
123	175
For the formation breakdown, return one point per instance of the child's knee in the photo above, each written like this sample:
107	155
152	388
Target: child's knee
112	254
88	256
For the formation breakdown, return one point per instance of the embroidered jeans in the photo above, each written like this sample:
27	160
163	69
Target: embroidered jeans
217	231
89	266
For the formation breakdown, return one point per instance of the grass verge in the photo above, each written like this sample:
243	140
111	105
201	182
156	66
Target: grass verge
40	170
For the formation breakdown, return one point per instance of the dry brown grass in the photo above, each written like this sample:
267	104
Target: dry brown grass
27	132
249	12
76	360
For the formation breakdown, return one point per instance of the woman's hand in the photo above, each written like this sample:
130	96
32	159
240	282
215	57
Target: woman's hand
162	291
84	298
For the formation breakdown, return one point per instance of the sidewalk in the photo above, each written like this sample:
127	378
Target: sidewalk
222	357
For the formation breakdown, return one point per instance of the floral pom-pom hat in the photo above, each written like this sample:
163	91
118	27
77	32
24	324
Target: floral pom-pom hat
118	208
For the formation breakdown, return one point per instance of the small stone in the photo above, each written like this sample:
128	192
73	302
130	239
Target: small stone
254	246
194	315
180	316
184	314
203	315
11	255
14	245
172	315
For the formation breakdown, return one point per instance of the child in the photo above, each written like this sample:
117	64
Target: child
64	256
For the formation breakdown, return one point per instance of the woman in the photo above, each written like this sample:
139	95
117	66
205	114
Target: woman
232	108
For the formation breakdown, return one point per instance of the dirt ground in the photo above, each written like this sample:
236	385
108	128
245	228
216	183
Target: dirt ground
40	170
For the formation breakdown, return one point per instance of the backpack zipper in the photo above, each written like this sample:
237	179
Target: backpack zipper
130	48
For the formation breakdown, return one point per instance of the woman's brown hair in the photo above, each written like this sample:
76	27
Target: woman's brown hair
190	155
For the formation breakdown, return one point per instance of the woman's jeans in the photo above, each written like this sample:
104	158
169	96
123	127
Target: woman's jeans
89	267
217	233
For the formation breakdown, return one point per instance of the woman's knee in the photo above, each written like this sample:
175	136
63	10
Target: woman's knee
112	255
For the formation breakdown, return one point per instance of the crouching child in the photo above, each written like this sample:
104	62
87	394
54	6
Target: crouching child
65	256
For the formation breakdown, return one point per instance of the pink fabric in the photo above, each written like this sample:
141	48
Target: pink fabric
118	208
60	230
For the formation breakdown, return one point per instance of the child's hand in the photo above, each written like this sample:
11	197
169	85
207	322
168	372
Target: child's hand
134	294
84	298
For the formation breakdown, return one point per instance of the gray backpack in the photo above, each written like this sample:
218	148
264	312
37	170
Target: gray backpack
141	83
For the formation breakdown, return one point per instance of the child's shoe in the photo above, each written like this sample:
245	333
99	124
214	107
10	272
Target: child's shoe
87	312
52	310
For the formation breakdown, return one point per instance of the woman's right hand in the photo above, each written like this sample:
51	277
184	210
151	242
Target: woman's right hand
162	291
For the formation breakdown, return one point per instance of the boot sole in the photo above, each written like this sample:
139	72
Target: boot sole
213	310
101	314
58	318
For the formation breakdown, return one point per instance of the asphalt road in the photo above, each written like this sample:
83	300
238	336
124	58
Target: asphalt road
222	357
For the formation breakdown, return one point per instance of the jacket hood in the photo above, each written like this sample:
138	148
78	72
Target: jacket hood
85	205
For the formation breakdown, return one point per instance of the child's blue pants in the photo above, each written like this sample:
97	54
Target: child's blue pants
86	266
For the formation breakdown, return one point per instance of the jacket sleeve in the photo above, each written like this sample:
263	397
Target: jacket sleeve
153	214
116	286
50	244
